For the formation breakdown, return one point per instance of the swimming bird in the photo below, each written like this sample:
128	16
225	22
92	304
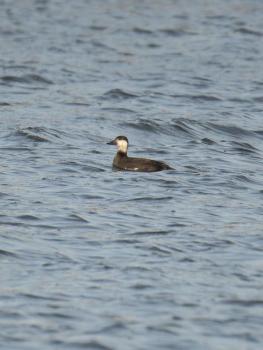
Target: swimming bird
121	160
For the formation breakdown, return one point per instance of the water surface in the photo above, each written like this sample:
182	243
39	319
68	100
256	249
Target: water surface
96	259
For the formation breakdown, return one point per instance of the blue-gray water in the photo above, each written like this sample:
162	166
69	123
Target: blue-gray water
96	259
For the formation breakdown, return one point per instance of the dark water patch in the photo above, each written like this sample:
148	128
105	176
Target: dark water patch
115	326
78	218
58	49
23	221
248	31
56	315
21	92
9	32
242	277
118	94
153	45
26	79
245	302
192	169
7	253
90	196
85	344
177	224
208	141
151	233
44	106
258	83
57	258
28	217
150	199
16	67
243	147
258	99
201	83
118	110
95	151
14	339
202	246
125	54
203	98
141	286
97	28
202	79
78	104
126	241
136	268
102	45
176	32
27	225
11	315
10	223
2	195
4	104
36	297
221	17
187	260
246	179
259	132
159	251
167	329
139	30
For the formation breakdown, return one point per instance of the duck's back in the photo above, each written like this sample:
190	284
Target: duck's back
123	162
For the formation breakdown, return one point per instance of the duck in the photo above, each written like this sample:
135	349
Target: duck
121	160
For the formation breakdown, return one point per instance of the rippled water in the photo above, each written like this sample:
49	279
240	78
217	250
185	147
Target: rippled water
98	259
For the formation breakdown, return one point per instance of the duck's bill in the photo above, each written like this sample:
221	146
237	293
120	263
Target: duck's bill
113	142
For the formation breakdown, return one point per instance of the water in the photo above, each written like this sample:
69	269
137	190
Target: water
96	259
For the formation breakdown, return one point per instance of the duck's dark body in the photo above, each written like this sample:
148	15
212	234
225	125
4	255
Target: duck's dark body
122	162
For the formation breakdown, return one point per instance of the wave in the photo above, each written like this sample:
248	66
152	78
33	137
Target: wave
209	98
139	30
178	32
229	129
7	253
25	79
38	134
244	147
247	31
118	94
235	138
174	127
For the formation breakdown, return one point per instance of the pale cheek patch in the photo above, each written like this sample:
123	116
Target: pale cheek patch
122	146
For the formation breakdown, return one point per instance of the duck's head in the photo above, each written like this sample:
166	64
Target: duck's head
121	142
